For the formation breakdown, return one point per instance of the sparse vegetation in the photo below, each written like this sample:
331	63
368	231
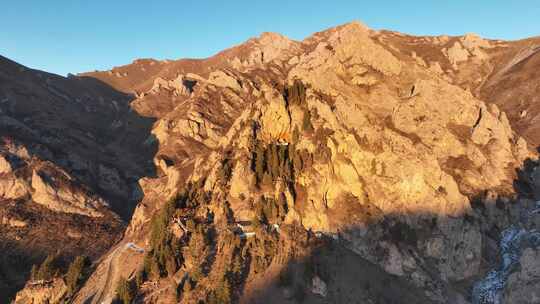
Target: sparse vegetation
295	135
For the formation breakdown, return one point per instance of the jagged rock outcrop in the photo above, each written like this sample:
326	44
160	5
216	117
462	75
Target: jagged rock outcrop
57	198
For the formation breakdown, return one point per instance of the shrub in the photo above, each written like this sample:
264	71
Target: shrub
125	291
402	232
75	273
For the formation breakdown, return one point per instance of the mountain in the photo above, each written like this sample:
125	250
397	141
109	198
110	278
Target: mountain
355	166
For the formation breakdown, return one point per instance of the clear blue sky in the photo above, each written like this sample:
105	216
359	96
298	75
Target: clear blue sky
62	36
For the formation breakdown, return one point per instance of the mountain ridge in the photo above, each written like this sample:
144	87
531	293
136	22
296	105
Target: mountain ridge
394	148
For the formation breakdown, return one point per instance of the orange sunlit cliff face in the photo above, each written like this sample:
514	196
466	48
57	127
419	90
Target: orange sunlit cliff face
355	166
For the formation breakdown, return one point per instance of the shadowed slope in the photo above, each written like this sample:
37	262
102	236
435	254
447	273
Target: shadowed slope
72	153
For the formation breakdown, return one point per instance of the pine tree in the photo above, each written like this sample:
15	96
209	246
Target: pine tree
140	277
34	272
75	273
296	94
48	268
237	264
259	159
222	295
273	161
306	122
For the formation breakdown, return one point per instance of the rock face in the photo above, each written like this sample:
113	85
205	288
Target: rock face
285	170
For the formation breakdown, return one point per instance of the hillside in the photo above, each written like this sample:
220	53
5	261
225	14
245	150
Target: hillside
71	153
